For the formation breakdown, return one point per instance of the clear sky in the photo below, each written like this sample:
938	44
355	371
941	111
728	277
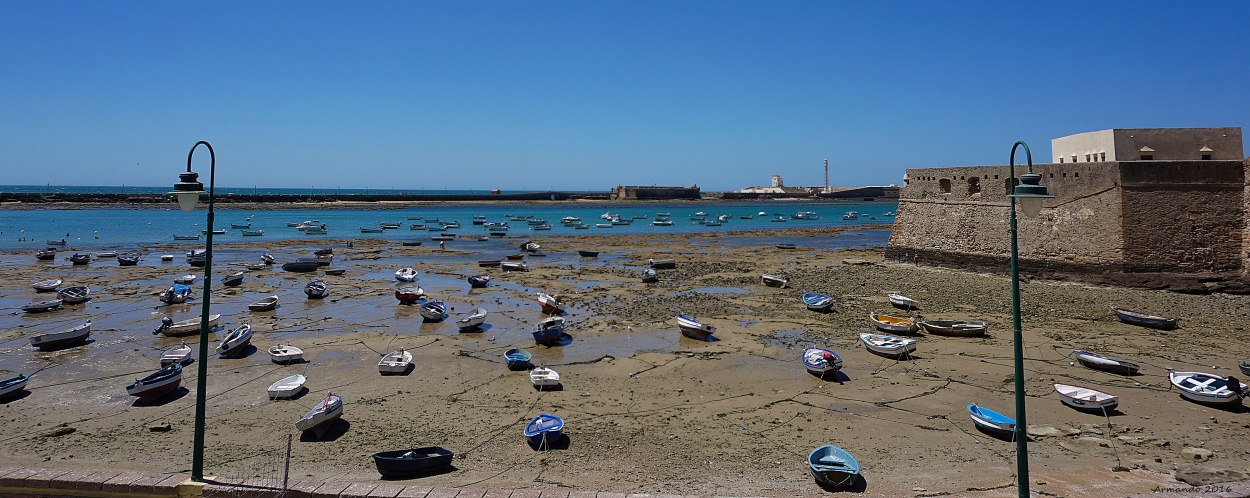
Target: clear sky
531	95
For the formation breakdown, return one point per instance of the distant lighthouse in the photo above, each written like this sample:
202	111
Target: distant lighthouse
826	175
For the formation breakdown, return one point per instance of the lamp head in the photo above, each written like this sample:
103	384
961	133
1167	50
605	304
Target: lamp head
1030	193
188	190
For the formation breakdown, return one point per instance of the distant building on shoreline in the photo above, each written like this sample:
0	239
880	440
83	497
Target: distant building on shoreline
1165	209
778	190
654	192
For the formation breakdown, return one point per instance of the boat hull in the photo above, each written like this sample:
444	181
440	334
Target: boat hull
417	461
833	466
1145	319
1084	398
160	383
1105	364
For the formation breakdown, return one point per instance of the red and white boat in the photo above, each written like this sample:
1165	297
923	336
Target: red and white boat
409	294
550	304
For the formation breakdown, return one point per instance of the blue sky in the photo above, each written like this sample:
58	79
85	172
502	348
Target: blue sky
587	95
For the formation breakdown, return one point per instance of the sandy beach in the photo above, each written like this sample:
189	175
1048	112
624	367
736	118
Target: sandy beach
646	409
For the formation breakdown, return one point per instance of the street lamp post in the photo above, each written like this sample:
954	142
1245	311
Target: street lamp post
1030	193
188	191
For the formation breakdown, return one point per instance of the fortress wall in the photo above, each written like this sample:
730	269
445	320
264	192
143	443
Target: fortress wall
1183	216
1107	221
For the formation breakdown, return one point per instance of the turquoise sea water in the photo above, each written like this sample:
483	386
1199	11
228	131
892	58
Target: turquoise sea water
133	227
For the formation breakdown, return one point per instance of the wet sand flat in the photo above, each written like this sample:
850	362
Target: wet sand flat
646	409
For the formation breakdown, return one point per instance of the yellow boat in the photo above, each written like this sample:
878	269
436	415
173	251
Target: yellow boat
889	323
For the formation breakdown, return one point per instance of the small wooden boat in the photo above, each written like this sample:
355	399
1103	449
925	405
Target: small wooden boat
821	362
266	304
285	353
649	276
1085	398
817	302
409	294
1105	364
514	266
833	466
444	237
54	242
785	246
472	320
548	330
544	429
176	294
189	326
662	263
325	251
49	285
252	233
543	377
887	345
11	386
954	328
1208	388
588	254
488	263
405	274
389	226
232	280
433	311
416	461
287	387
1145	319
179	354
74	295
301	266
335	271
479	281
316	289
76	335
991	420
517	359
887	323
157	384
694	329
901	301
45	254
197	257
515	257
322	416
236	341
774	280
215	231
167	257
79	259
410	243
395	362
187	279
550	304
128	259
187	237
43	306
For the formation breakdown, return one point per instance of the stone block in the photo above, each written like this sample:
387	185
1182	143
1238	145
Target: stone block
443	493
302	489
471	493
120	483
414	492
554	493
357	490
386	491
43	478
330	489
528	493
582	494
497	493
1196	454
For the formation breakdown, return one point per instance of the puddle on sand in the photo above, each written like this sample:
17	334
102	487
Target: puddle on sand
787	338
715	290
852	409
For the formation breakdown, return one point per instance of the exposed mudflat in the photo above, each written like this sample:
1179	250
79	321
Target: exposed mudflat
646	409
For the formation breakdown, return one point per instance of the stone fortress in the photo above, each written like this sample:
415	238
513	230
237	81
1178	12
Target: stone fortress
1162	208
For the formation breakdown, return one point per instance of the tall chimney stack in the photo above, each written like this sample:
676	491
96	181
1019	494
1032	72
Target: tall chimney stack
826	175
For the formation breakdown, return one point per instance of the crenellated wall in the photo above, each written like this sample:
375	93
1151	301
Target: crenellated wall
1182	223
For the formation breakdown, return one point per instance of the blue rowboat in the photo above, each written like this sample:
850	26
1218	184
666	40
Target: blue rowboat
517	358
544	429
833	466
816	301
991	420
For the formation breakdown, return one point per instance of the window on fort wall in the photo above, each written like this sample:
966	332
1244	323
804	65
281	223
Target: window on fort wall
1061	160
1206	157
974	185
1147	157
944	185
1102	156
1009	184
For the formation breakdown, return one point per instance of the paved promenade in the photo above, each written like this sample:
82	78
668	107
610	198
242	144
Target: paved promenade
41	482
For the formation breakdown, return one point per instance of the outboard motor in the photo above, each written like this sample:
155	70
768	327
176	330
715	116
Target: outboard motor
1235	386
165	323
